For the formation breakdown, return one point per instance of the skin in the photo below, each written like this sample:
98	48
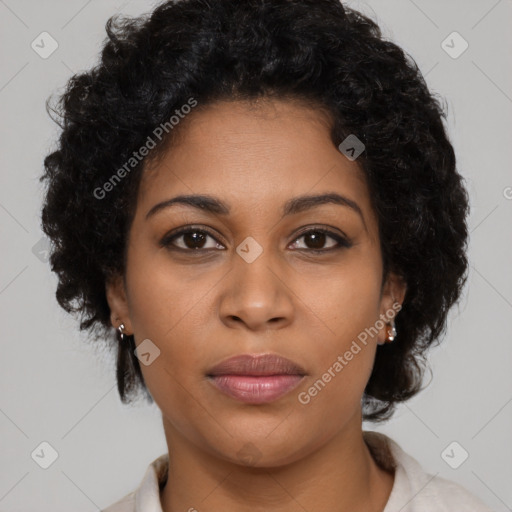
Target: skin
202	308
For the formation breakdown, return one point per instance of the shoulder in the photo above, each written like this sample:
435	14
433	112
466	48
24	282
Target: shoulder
415	490
146	498
126	504
448	496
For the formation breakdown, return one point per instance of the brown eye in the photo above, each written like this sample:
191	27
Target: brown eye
315	240
191	240
194	239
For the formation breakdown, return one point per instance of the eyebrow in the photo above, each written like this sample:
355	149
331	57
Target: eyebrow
296	205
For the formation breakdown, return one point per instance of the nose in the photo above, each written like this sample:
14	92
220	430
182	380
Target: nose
255	295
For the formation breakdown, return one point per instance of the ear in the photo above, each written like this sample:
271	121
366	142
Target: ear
393	294
116	298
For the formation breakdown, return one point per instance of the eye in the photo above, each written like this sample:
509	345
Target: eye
316	238
192	239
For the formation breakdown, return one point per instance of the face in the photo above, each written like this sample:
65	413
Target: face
260	270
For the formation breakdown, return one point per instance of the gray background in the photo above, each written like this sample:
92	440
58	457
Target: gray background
56	388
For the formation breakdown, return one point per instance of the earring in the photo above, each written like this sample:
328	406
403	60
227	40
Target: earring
391	332
120	330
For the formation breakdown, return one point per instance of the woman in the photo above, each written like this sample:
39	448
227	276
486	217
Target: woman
260	201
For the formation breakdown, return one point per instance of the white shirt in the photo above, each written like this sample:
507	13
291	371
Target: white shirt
413	490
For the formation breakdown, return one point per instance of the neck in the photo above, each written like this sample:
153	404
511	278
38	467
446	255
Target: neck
340	475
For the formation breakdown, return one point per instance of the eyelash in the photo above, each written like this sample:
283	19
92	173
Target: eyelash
167	241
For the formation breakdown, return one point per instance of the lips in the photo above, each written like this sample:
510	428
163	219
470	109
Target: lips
257	365
256	379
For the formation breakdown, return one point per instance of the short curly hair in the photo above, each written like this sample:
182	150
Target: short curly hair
315	51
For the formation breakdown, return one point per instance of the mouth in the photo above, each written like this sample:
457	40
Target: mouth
256	379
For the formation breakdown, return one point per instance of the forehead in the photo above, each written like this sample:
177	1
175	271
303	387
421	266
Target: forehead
254	155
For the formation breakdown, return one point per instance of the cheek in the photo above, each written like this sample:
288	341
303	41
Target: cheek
344	310
344	300
162	295
170	307
343	358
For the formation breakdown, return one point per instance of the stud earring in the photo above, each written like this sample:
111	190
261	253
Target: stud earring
120	330
391	332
